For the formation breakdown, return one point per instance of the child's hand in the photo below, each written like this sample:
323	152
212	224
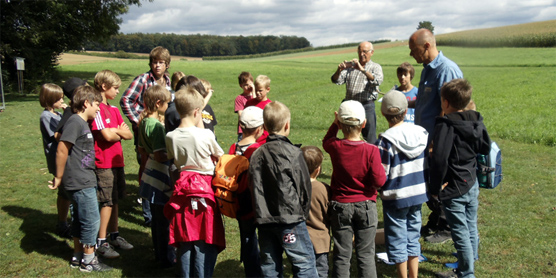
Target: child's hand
123	126
336	118
55	183
64	106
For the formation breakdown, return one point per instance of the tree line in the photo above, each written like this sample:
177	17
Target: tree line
199	45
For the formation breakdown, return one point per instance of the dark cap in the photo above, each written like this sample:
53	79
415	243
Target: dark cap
71	84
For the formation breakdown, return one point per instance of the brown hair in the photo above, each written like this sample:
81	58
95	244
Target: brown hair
275	115
50	93
151	96
243	77
108	78
457	92
395	119
191	80
82	94
313	157
406	67
160	53
187	100
176	77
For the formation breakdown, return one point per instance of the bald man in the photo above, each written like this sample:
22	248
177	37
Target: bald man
362	78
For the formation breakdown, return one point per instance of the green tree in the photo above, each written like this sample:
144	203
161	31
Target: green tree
426	25
40	31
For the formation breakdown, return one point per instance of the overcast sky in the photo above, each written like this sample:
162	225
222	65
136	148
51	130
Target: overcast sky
332	21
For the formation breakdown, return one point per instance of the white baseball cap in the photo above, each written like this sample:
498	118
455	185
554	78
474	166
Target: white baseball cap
351	112
251	117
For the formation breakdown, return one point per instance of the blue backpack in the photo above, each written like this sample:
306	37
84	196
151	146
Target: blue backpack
489	167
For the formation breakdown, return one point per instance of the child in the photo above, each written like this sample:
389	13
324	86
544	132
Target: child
318	223
356	176
281	188
402	149
155	181
262	88
75	167
172	117
458	136
109	129
51	97
245	80
196	227
251	123
176	78
209	119
405	74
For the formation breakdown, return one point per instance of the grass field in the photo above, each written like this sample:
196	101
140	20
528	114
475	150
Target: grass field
513	89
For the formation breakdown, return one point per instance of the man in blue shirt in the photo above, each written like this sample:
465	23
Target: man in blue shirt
437	70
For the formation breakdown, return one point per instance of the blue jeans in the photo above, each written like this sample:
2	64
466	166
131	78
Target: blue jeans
85	216
402	229
197	258
322	264
461	214
369	131
349	219
274	239
250	255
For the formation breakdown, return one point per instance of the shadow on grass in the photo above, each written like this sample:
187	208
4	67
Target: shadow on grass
228	268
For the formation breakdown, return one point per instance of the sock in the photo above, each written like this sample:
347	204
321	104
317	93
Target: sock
100	241
87	258
114	235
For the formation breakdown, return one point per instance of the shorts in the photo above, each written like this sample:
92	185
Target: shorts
111	186
62	192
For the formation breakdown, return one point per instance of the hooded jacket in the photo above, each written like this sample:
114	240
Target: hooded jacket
279	182
458	137
402	151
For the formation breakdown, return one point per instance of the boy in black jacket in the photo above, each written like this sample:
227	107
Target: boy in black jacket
458	137
281	188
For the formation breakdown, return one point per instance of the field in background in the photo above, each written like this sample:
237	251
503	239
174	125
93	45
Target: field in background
513	89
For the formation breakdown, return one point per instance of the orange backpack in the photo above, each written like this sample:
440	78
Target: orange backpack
227	174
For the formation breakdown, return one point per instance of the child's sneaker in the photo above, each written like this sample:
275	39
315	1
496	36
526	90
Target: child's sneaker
121	243
94	265
74	262
107	251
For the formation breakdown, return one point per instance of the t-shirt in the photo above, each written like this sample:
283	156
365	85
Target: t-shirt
79	172
209	119
48	123
108	154
239	104
151	135
411	95
192	148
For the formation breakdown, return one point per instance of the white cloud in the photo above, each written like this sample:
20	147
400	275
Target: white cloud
326	22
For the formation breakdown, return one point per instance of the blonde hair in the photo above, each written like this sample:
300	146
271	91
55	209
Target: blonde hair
262	80
176	78
350	130
108	78
275	116
50	93
82	94
151	97
207	87
187	100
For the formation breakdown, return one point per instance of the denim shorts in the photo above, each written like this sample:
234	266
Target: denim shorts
402	229
85	215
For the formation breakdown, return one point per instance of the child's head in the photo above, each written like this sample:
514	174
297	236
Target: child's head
107	82
405	72
207	86
188	100
250	120
262	87
394	107
176	78
276	117
313	157
83	96
71	84
194	82
245	80
159	60
51	95
457	93
154	98
351	117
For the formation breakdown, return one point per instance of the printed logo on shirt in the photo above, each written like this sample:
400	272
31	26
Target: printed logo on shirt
89	135
289	238
107	121
207	118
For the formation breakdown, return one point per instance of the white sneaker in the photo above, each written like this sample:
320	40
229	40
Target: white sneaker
107	251
121	243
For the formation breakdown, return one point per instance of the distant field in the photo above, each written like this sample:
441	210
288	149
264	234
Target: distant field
535	34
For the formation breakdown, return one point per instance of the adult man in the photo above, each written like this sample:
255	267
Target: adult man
362	78
437	70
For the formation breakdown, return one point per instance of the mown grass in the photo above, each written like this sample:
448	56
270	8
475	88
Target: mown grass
534	34
513	89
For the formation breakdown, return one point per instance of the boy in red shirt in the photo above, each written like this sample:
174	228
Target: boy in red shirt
245	80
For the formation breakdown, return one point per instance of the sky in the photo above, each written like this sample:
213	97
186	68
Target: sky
329	22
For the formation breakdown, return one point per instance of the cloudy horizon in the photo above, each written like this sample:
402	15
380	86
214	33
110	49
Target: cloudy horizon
329	22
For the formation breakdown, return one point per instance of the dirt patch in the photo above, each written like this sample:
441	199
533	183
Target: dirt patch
76	59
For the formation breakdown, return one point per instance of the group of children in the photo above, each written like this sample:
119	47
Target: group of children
282	206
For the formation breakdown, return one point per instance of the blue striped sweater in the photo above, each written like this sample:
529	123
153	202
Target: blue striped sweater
402	151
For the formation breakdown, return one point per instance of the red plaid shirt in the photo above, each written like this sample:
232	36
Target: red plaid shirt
132	99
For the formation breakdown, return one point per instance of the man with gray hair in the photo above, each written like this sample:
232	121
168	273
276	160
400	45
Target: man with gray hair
362	78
